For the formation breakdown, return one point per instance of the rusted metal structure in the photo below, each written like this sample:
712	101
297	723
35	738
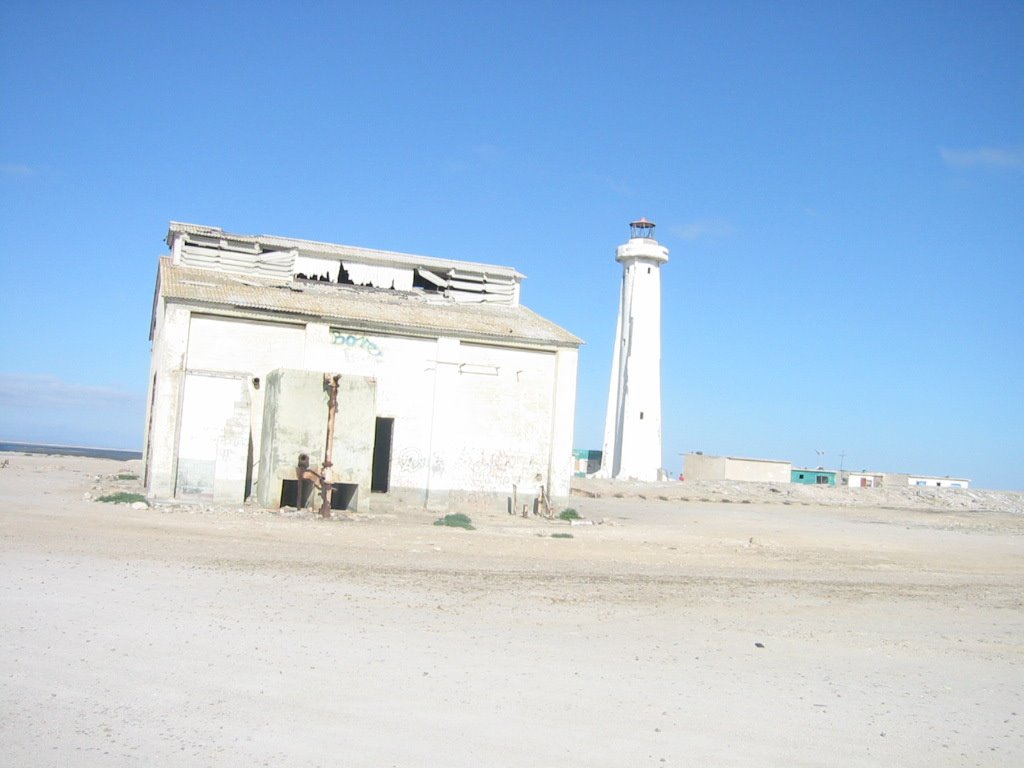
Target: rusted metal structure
322	479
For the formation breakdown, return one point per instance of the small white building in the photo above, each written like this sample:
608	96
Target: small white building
931	481
447	383
864	479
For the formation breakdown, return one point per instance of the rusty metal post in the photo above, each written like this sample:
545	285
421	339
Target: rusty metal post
300	487
331	384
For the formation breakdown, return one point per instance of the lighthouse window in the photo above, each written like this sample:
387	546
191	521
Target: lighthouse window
641	415
648	270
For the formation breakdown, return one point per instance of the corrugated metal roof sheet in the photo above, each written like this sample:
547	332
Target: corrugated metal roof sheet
394	311
371	255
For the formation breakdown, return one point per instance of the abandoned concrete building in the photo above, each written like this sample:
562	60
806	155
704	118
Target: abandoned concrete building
444	383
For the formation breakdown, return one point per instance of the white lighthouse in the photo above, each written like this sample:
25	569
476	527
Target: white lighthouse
632	431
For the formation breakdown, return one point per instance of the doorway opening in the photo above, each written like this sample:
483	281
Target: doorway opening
380	480
296	494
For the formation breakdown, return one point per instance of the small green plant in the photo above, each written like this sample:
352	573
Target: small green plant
123	498
457	520
126	476
569	514
561	535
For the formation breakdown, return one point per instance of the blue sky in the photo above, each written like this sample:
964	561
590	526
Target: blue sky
841	187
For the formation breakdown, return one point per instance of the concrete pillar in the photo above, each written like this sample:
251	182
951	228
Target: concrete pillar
170	348
443	442
295	421
562	422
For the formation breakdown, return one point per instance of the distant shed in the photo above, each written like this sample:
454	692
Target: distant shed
698	466
930	481
585	462
813	476
863	479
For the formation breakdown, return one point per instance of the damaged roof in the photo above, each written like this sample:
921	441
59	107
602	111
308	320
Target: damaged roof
258	243
376	309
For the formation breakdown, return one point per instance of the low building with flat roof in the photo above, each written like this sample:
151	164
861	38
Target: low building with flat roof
699	466
932	481
813	476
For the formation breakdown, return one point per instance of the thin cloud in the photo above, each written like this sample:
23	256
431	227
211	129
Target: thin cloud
17	170
475	157
983	157
704	228
617	186
486	151
32	390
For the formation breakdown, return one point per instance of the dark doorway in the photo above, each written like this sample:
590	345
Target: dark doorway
248	470
304	495
343	495
380	481
296	494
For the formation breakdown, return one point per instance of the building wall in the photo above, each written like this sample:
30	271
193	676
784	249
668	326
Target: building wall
585	462
167	380
468	416
938	482
213	438
813	477
295	421
698	466
863	480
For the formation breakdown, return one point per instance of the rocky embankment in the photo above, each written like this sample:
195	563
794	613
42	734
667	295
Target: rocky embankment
724	491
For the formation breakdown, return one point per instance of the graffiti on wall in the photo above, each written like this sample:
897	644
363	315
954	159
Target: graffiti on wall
501	467
410	460
356	345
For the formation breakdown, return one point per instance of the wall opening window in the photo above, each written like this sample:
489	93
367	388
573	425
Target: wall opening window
296	494
435	285
380	480
304	494
343	495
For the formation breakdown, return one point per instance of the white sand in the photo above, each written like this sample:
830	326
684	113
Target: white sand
176	637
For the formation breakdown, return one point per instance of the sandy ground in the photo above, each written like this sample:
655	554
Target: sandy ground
671	633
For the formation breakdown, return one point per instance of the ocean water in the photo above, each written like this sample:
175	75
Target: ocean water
70	450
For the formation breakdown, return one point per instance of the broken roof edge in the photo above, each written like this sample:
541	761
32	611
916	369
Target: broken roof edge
410	330
270	296
338	250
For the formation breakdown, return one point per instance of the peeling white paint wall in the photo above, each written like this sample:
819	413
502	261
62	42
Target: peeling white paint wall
468	416
295	421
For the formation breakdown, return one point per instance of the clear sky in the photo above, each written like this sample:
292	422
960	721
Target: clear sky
841	187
